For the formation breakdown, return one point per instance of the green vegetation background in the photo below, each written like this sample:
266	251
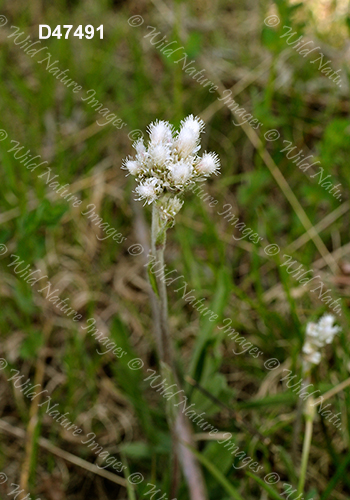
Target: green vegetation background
236	278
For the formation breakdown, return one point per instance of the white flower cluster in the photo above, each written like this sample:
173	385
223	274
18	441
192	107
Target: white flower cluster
317	336
170	163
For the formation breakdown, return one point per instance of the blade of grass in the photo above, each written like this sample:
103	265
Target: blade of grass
129	488
336	478
270	491
231	490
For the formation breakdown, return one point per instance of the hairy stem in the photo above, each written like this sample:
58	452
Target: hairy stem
309	413
306	451
180	425
158	247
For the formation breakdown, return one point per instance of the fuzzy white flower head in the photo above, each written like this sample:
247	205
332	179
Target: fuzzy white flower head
308	348
140	150
169	164
149	190
312	330
208	165
194	124
181	173
134	167
317	336
160	132
315	358
159	154
187	142
327	329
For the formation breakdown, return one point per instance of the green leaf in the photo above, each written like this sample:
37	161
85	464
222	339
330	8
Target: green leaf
231	490
347	21
129	488
270	39
31	345
194	44
273	494
206	337
337	477
152	280
137	450
219	456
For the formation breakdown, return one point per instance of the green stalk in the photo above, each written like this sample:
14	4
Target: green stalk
178	423
309	417
158	247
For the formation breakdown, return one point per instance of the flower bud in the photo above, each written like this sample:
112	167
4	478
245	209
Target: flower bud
140	150
149	190
181	173
159	154
134	167
160	132
208	165
317	336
